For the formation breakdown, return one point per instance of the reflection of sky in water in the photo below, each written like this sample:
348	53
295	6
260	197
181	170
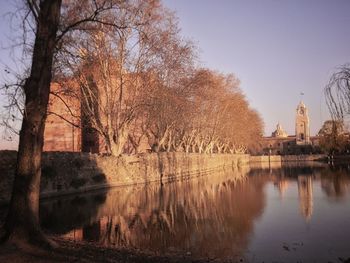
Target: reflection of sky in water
283	215
285	234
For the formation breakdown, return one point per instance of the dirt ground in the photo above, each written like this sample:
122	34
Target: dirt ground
70	251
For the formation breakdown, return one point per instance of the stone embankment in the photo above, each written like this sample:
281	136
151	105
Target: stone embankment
68	172
277	161
288	158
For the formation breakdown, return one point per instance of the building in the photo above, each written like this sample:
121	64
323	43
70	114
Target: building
62	127
279	132
68	127
280	143
302	125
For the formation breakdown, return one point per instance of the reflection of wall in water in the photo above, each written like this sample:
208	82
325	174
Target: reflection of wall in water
305	192
214	213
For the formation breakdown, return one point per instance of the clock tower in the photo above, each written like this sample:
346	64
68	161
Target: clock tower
302	125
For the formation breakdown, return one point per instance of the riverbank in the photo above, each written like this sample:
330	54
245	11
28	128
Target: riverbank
70	251
287	158
66	173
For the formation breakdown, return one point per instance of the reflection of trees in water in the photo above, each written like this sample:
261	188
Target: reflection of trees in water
210	215
335	181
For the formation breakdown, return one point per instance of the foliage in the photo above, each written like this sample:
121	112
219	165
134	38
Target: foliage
333	137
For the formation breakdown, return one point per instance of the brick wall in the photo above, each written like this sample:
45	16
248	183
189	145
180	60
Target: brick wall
61	133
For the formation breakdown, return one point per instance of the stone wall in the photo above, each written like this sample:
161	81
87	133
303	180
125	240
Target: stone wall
7	167
265	161
304	158
277	161
287	158
69	172
265	158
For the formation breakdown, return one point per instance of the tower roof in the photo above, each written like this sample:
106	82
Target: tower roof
279	132
301	104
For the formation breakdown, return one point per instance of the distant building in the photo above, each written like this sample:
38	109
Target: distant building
279	132
281	143
302	125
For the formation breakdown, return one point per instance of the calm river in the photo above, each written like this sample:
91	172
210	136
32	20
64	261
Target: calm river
289	214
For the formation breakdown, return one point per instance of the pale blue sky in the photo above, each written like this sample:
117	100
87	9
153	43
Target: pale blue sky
276	48
6	55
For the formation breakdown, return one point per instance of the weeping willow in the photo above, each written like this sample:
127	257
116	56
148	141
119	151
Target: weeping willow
337	93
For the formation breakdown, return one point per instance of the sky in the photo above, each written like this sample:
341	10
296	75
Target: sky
278	50
6	59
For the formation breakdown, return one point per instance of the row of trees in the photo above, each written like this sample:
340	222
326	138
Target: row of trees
207	114
140	82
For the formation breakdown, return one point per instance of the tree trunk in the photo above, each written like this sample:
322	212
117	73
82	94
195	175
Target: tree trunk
22	222
117	142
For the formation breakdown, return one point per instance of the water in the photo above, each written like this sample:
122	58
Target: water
289	214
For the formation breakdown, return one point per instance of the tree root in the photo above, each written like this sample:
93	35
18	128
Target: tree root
37	244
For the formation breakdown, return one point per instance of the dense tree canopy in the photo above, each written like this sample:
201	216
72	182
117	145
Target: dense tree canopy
334	138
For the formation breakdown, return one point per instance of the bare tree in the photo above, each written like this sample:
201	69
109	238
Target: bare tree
22	222
54	25
119	70
337	93
222	120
